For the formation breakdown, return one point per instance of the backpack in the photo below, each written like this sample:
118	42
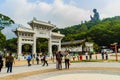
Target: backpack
29	57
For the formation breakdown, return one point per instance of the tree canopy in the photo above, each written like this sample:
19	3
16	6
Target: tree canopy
2	41
5	21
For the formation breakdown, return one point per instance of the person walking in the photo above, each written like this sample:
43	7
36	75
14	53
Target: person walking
67	60
37	58
1	62
45	60
9	61
29	57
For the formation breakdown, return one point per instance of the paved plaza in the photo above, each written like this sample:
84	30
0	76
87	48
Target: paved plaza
77	71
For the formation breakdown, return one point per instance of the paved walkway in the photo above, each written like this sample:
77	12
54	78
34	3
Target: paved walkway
22	69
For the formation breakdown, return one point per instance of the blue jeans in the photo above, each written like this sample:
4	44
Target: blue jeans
9	66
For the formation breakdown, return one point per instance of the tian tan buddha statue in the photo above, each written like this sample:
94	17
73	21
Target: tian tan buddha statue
96	15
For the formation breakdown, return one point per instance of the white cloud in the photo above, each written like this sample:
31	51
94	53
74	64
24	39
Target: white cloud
58	12
111	9
67	14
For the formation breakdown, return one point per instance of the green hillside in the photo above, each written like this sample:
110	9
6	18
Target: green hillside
102	32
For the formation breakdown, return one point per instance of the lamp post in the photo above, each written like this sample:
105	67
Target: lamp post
116	52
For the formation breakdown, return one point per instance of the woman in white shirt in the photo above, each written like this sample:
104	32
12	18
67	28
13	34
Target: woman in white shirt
67	60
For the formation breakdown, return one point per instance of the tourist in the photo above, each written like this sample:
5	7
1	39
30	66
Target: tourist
41	58
102	55
1	62
9	62
86	55
56	60
45	60
37	58
59	59
81	57
67	60
106	55
29	57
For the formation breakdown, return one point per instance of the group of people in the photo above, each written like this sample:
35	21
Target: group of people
9	60
104	55
59	60
38	57
44	59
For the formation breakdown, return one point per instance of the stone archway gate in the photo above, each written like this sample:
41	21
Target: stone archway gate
39	29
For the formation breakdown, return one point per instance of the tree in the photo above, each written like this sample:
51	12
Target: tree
27	48
11	45
42	45
83	28
2	41
5	21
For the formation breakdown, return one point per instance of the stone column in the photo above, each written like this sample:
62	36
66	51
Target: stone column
34	40
59	46
34	45
50	47
19	47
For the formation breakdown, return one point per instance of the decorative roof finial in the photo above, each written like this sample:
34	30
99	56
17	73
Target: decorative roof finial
34	18
49	22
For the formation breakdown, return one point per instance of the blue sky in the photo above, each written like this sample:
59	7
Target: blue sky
62	13
48	1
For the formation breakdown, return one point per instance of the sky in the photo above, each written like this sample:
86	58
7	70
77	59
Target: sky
62	13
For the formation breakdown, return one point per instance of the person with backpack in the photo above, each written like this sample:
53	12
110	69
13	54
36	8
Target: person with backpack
29	57
45	60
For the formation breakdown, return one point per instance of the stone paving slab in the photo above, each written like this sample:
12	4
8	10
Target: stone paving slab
76	75
23	69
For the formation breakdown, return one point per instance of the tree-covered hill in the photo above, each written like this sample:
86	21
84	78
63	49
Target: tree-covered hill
102	32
